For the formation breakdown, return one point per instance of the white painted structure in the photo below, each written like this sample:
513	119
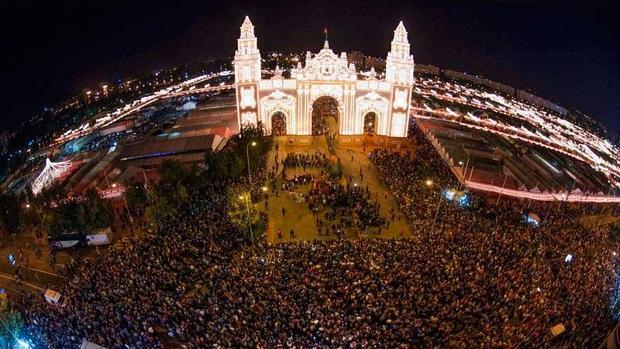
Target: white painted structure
325	74
49	174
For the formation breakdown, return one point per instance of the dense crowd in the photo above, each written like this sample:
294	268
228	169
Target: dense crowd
351	203
315	160
476	277
134	296
511	277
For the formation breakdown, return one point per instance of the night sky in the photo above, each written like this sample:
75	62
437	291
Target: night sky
565	51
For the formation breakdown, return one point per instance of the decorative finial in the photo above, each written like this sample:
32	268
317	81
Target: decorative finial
277	73
326	44
247	22
372	75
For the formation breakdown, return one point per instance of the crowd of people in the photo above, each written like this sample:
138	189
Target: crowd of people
314	160
476	277
134	296
514	278
351	202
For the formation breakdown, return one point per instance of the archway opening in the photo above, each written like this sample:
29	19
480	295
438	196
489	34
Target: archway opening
325	116
370	123
278	124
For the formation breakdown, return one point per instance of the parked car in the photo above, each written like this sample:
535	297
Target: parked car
68	240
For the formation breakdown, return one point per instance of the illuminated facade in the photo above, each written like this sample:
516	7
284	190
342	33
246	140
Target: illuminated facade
325	74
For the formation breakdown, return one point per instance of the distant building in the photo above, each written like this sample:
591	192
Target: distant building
364	63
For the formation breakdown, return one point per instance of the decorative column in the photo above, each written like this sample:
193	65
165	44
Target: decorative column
247	65
399	72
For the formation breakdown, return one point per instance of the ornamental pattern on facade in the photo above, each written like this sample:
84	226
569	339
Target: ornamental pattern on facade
325	74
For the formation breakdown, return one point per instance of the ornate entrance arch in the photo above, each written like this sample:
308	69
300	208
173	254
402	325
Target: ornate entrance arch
325	74
325	115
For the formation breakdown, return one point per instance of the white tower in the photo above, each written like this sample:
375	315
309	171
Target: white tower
247	74
399	72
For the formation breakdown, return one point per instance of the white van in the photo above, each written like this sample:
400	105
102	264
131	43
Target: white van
99	237
54	298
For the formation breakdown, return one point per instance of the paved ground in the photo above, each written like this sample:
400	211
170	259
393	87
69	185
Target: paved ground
299	218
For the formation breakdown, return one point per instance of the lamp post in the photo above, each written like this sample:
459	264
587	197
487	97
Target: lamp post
249	197
36	210
114	185
247	155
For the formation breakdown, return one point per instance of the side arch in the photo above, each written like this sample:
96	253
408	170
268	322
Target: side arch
375	103
278	121
278	101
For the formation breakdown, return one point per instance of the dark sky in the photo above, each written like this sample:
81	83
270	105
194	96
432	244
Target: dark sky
566	51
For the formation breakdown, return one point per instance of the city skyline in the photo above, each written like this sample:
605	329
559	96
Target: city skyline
569	59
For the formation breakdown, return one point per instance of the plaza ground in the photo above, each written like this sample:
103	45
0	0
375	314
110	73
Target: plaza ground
298	216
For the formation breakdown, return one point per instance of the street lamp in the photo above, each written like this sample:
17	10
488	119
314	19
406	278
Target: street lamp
247	203
36	210
114	185
247	155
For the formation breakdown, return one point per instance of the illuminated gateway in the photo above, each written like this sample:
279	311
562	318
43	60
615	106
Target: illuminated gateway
325	74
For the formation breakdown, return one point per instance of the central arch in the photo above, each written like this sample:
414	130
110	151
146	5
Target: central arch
370	123
278	123
325	116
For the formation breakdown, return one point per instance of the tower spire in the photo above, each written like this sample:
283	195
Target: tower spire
326	44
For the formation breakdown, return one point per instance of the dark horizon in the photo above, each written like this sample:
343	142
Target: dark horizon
565	52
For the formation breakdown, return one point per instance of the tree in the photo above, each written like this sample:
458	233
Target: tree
172	191
9	214
11	322
231	162
97	211
238	210
136	197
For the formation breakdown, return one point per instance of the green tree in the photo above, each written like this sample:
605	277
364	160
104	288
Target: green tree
136	197
239	207
231	162
11	322
9	214
172	191
97	211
